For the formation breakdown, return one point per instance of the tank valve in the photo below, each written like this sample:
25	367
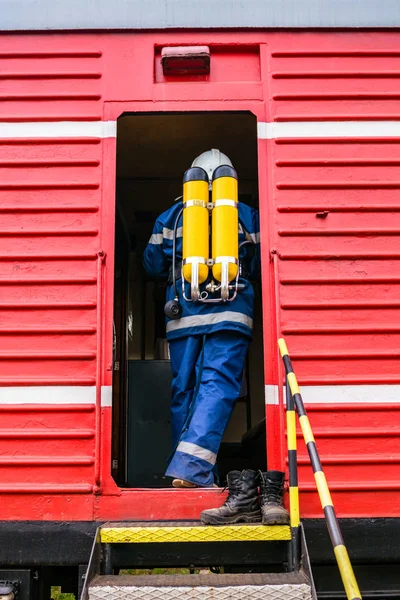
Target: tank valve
212	287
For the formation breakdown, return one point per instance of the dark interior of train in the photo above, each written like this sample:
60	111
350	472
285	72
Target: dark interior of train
153	151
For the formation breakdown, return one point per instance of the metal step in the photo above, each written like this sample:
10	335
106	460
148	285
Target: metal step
192	545
245	586
190	531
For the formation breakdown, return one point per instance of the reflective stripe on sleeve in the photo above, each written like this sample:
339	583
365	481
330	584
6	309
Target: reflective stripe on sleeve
156	238
168	234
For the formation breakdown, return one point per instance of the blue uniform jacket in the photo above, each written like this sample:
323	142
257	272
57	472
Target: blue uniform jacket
199	317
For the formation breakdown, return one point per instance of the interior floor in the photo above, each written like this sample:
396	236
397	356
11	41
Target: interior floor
153	152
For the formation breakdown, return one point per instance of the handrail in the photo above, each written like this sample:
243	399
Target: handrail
99	343
293	478
339	548
275	417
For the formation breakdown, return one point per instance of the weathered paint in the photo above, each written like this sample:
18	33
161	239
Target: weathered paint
329	217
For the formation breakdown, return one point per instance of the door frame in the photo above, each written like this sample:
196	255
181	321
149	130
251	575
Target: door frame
112	111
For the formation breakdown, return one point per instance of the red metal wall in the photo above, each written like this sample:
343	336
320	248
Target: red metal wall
337	282
337	231
50	207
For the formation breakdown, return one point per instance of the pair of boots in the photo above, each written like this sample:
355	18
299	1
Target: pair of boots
245	504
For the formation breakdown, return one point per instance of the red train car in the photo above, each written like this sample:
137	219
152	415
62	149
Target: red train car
94	138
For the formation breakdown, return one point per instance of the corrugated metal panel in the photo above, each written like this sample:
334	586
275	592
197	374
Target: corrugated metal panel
337	226
46	448
167	14
339	284
50	85
50	220
349	82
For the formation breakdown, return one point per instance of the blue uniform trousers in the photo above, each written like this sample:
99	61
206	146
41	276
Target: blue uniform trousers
201	413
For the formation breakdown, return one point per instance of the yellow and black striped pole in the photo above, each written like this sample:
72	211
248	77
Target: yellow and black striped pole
342	557
293	478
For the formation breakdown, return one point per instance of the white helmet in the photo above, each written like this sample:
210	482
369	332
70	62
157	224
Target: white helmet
210	160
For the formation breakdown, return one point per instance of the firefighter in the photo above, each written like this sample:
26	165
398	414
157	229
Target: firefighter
208	342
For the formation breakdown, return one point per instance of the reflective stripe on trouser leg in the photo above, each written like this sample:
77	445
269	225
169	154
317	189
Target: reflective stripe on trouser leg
224	355
184	354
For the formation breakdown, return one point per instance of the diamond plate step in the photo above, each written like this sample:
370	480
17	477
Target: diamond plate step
253	586
190	531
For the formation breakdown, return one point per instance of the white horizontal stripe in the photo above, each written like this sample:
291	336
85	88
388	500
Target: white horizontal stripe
312	394
271	394
209	319
349	394
59	129
340	394
198	451
55	394
335	129
272	130
106	395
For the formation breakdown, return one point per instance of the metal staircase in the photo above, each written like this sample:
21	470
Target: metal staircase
244	562
238	562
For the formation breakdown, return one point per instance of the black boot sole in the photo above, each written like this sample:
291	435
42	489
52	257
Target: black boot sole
276	520
250	517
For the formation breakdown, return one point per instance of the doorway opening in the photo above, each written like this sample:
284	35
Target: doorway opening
153	152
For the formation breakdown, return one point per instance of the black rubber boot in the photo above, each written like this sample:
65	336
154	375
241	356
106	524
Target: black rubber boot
271	488
242	502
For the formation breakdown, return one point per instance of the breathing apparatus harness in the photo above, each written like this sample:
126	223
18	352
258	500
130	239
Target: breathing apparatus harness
196	263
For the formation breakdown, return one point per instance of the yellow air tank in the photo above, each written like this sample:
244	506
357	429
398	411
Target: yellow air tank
225	224
195	249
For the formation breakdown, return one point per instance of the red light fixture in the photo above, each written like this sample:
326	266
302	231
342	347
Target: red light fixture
185	60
